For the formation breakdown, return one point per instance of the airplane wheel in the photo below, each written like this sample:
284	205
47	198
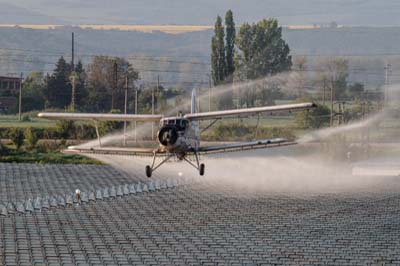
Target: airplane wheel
148	171
202	168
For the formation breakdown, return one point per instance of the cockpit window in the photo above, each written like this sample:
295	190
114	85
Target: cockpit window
181	124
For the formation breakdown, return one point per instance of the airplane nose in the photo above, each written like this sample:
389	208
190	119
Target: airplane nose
168	136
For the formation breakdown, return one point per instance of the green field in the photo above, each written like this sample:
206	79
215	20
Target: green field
7	121
9	154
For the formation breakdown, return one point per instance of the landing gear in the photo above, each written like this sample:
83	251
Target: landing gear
199	166
201	169
148	171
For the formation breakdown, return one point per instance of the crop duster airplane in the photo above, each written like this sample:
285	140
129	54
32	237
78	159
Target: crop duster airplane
180	136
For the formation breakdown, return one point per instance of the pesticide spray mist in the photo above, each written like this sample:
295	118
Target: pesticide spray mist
287	82
304	168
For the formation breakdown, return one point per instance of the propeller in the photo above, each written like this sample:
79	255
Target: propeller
168	135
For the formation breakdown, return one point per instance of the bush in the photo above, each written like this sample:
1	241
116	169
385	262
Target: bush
107	127
3	150
240	132
47	146
50	133
31	137
314	118
84	131
17	137
65	128
26	118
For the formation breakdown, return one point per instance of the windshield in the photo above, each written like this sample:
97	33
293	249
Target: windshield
181	124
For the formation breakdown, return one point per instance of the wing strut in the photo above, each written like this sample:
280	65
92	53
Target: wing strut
258	123
210	125
96	125
153	167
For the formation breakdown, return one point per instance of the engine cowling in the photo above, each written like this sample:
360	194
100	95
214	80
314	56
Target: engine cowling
168	135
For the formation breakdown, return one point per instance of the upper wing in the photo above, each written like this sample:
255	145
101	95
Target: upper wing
100	117
249	111
251	145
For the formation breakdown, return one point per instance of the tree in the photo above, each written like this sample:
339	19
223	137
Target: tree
65	128
107	127
80	89
32	94
338	72
230	43
355	91
300	66
31	137
314	118
17	137
262	50
218	59
101	79
57	91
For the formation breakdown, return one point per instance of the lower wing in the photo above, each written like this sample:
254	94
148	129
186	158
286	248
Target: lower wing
251	145
114	151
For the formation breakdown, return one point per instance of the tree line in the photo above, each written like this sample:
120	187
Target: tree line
99	87
258	52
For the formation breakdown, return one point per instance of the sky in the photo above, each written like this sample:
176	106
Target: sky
289	12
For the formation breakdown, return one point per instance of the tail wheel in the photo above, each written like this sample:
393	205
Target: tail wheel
148	171
202	169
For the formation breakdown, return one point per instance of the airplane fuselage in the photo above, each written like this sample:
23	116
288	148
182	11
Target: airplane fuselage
178	135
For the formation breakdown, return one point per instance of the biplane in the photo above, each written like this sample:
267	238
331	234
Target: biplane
179	136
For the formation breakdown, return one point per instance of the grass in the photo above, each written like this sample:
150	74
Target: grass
7	121
11	155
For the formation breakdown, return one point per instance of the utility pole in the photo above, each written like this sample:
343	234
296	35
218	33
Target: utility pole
152	112
136	110
73	53
198	99
125	106
340	113
324	92
20	98
387	82
332	93
114	84
239	92
209	92
73	78
158	92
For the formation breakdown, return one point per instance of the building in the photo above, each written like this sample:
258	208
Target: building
9	89
9	85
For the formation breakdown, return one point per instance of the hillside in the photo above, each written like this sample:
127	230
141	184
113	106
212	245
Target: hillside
187	12
22	15
27	50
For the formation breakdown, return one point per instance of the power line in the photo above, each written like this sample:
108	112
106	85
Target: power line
138	69
159	60
60	53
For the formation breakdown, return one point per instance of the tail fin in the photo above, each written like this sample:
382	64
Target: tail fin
195	124
193	106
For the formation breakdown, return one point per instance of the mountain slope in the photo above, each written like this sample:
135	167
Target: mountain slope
11	14
348	12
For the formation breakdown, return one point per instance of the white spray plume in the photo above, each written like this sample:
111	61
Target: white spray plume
294	169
